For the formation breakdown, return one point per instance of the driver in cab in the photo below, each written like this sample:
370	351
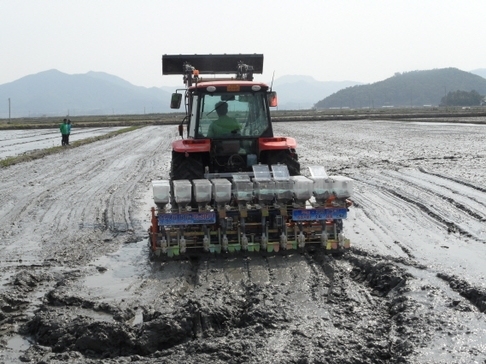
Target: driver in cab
224	125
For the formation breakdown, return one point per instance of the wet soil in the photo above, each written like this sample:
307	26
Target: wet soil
16	142
77	284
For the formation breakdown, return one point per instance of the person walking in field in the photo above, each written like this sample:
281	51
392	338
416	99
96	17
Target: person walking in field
64	128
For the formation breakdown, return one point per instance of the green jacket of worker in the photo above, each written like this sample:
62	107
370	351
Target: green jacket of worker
64	127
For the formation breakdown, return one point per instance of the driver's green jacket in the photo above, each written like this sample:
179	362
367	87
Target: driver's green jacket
224	125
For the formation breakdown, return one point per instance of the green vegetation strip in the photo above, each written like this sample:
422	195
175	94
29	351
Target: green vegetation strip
92	121
37	154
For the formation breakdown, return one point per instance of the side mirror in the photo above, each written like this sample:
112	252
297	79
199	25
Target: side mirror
175	101
272	99
181	130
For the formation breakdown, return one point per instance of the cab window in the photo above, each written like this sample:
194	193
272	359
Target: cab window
248	109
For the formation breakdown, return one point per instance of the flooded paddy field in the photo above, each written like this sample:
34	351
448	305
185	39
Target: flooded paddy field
16	142
77	284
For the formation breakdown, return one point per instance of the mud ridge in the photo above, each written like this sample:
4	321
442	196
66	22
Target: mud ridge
193	323
476	296
452	227
460	181
455	203
372	319
409	261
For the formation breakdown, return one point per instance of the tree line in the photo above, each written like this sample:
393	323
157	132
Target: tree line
462	98
412	89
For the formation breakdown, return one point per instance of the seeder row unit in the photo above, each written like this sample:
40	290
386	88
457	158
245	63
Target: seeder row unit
261	211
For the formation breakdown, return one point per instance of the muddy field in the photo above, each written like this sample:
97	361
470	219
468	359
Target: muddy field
77	284
15	142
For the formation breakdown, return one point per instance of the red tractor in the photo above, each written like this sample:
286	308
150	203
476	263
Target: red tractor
234	186
222	151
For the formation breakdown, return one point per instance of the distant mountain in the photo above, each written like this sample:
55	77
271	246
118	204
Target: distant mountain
480	72
53	93
302	92
416	88
111	78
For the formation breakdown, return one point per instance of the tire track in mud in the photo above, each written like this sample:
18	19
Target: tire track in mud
476	296
55	214
112	205
392	217
471	203
326	311
261	292
414	317
431	197
381	219
373	313
371	317
459	181
46	194
458	206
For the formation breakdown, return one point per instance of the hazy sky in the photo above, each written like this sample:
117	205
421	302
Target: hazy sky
356	40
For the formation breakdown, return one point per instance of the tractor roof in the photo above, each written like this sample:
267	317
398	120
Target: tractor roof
204	83
210	63
193	65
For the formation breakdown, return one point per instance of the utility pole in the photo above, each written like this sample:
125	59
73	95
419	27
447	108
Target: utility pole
9	109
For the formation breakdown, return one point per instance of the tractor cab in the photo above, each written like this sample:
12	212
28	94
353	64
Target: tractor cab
224	107
220	114
227	125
